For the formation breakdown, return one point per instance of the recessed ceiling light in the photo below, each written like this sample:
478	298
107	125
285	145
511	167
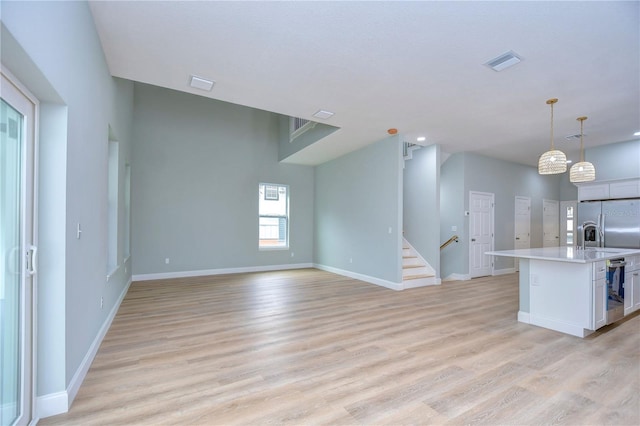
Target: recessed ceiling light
421	139
201	83
323	114
636	134
504	61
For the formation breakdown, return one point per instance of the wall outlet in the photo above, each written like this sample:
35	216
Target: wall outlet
454	228
166	260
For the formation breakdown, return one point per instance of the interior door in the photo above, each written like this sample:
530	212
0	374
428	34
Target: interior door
481	214
522	225
17	253
550	223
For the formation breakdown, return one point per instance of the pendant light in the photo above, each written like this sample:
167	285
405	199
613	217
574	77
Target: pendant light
553	161
584	170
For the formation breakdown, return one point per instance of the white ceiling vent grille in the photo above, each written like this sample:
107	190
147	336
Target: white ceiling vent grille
503	61
298	126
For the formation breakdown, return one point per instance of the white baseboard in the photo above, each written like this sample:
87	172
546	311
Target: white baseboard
59	402
504	271
52	404
457	277
563	327
524	317
221	271
366	278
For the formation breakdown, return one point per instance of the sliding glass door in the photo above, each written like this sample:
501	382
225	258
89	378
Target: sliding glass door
17	254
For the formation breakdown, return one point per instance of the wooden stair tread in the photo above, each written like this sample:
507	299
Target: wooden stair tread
409	257
415	277
412	266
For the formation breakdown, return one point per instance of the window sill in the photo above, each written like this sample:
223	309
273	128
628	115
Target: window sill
272	248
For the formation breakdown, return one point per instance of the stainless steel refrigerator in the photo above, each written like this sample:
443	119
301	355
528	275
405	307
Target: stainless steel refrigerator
619	219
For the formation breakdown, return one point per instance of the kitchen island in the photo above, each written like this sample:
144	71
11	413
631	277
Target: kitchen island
564	289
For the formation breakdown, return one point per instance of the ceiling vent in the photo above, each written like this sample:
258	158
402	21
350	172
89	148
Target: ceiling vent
573	137
201	83
322	114
504	61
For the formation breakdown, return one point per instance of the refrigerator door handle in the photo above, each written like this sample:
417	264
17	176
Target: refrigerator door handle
601	230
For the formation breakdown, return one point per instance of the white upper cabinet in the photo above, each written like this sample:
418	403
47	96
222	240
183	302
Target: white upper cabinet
609	190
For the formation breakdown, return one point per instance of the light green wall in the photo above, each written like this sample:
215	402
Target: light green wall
421	208
197	163
504	179
62	63
453	258
358	199
615	161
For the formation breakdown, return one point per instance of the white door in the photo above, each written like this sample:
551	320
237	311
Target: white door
568	217
522	225
17	252
480	233
550	223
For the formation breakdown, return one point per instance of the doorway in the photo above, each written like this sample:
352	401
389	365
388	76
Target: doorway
550	223
481	215
17	251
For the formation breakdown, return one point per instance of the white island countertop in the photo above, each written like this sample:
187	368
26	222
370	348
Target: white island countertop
567	254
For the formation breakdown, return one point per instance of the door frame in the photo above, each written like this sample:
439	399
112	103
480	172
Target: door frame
492	246
29	243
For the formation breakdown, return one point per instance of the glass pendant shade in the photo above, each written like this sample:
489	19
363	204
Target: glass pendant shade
553	161
584	170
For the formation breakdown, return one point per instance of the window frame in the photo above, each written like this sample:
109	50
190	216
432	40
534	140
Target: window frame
262	198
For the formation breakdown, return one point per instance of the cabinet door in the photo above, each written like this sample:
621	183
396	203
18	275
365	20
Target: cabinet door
634	280
629	295
593	192
625	189
599	303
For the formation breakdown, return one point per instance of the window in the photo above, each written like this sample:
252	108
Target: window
273	216
569	212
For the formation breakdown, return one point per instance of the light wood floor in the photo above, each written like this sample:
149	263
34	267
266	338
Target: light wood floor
309	347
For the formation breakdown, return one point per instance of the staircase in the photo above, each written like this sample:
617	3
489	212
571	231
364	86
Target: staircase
416	272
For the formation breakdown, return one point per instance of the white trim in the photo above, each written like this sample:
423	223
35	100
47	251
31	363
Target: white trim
563	327
59	402
457	277
52	404
504	271
366	278
221	271
524	317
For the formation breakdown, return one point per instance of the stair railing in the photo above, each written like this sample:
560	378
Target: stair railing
449	241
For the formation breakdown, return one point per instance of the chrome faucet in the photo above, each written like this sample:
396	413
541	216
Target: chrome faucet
586	226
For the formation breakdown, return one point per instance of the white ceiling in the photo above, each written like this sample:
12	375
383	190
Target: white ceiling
415	66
